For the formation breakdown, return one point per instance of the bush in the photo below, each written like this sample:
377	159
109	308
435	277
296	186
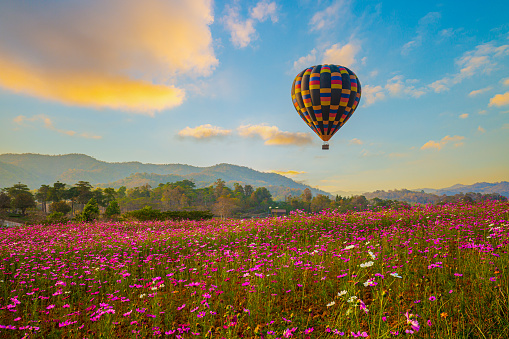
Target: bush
56	218
89	213
112	209
148	213
60	206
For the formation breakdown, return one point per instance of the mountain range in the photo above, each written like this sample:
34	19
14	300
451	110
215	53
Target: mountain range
35	170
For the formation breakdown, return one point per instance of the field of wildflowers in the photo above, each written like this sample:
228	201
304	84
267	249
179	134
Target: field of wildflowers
427	272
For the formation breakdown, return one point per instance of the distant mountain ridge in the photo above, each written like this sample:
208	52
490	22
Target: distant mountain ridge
35	170
501	188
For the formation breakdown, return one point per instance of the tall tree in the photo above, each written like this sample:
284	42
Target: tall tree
22	201
16	189
42	196
84	192
224	207
5	201
248	190
219	186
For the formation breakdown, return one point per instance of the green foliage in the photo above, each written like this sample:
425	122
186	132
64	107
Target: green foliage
148	213
90	212
112	209
60	207
56	217
5	200
22	201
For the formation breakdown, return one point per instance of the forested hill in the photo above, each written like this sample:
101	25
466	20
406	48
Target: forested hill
35	170
501	188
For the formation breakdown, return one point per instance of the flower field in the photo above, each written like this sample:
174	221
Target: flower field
427	272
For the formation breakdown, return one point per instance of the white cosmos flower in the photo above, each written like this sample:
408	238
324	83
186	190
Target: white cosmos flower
367	264
332	303
341	293
352	299
396	275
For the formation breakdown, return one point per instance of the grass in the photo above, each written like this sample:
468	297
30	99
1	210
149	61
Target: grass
428	272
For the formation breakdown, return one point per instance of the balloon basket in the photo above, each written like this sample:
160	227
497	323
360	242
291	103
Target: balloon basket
325	146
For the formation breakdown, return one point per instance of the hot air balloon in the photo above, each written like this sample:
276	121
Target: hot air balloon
325	96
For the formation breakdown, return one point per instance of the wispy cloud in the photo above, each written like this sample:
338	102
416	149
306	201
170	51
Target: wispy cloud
305	61
372	94
480	129
464	116
242	31
355	141
47	123
264	10
479	91
288	173
273	136
336	54
206	131
341	55
425	23
505	81
327	18
456	139
397	86
119	54
500	100
484	59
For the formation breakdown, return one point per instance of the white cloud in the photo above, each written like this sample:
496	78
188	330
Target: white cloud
47	122
118	54
500	100
328	17
242	31
397	87
479	91
422	32
372	94
355	141
273	136
445	140
263	10
204	132
483	59
305	61
464	115
341	55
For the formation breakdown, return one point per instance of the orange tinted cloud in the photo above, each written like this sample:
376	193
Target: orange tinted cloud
500	100
273	136
118	54
445	140
22	120
204	132
288	173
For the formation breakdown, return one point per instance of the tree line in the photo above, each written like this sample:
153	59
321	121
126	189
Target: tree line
82	201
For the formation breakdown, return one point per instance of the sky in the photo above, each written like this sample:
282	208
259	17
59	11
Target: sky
205	82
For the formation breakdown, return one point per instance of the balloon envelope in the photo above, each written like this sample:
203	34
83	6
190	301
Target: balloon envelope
325	96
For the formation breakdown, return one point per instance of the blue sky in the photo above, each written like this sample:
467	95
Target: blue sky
202	82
